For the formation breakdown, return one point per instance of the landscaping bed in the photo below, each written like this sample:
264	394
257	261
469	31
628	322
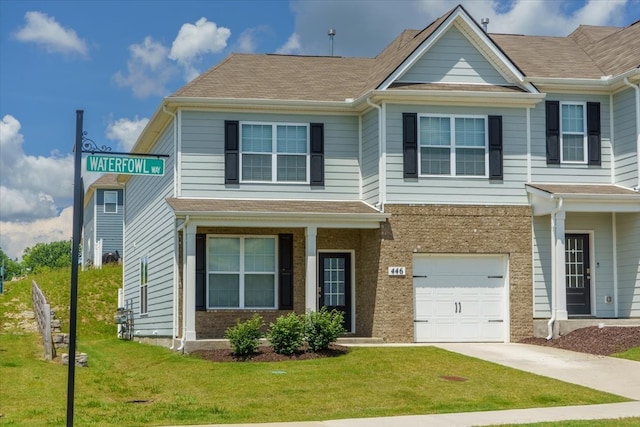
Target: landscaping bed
594	340
266	354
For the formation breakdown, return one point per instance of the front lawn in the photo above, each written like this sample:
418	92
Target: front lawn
128	383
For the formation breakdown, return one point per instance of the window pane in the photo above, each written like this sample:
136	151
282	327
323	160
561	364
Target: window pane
435	131
257	138
256	167
435	161
572	148
469	161
572	118
224	290
292	139
292	168
260	254
259	290
111	197
470	132
224	254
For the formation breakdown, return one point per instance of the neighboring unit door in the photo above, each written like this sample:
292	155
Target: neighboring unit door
335	284
459	298
578	274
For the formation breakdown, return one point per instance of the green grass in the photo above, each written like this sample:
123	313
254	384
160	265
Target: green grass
619	422
133	384
631	354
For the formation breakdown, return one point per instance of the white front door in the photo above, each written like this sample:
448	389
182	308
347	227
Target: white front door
460	298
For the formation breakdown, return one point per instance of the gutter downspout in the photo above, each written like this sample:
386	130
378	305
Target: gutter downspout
381	166
553	269
637	90
175	293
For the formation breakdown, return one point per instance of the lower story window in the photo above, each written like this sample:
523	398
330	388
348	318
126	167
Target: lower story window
241	272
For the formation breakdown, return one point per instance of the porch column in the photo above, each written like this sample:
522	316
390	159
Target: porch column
311	287
558	282
189	288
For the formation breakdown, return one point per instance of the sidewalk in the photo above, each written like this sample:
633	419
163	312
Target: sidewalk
616	376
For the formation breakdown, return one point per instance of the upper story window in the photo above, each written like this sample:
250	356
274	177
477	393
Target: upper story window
242	272
274	152
573	124
110	202
453	145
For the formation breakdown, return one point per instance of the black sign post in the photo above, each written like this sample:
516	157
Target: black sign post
78	200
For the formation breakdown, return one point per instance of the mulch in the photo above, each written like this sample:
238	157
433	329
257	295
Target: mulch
266	354
594	340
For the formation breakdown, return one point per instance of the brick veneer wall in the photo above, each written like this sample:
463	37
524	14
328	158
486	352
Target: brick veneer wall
451	229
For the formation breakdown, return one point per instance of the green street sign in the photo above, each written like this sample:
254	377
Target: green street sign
125	165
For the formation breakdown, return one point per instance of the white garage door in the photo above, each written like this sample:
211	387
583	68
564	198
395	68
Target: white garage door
460	298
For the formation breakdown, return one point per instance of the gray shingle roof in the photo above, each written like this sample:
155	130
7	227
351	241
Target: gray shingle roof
588	53
270	206
585	190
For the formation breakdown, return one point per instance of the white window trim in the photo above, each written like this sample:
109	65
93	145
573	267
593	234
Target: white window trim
585	158
242	273
104	201
452	147
274	153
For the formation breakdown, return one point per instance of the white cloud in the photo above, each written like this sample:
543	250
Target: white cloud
15	237
249	39
292	46
33	187
46	32
148	69
195	40
365	31
126	132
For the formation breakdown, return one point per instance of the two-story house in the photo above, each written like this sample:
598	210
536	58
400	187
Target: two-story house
460	186
103	220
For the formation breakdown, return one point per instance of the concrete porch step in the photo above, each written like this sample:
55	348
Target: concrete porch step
359	340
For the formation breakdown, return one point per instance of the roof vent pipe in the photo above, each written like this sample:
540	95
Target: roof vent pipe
485	24
331	33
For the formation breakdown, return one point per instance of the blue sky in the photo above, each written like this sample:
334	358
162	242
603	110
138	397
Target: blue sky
117	59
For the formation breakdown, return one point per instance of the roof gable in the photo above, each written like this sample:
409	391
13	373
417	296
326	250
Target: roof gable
457	25
454	59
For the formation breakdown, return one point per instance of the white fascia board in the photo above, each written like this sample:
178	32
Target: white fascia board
286	220
444	27
260	104
608	204
464	98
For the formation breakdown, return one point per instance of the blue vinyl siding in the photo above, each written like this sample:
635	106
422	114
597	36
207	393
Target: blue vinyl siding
88	231
202	158
370	157
628	239
109	225
150	231
541	172
625	146
459	190
453	59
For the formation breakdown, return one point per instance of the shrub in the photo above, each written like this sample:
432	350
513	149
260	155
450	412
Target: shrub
286	334
245	336
323	328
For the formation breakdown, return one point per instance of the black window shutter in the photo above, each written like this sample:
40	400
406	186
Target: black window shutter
593	133
495	147
231	152
553	132
410	144
201	272
317	154
285	275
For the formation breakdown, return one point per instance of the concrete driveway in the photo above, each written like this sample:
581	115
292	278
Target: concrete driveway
617	376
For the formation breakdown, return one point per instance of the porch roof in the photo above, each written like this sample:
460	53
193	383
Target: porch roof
546	198
291	211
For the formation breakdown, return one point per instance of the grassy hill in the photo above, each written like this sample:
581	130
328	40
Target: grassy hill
97	299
